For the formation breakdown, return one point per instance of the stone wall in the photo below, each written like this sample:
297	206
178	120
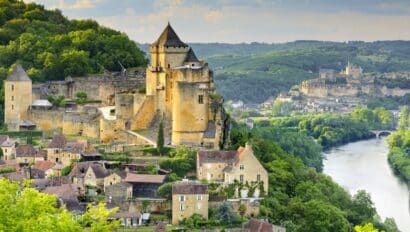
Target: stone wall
47	119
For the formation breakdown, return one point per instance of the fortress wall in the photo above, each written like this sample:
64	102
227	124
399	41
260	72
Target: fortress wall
145	115
47	119
340	91
81	124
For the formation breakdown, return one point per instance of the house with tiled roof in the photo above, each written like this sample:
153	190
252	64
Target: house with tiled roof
44	166
68	195
61	150
26	154
188	198
230	166
145	186
8	146
114	178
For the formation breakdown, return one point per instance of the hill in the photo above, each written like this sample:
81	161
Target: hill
51	47
254	72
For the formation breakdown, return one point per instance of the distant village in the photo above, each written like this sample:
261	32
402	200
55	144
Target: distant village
63	148
332	91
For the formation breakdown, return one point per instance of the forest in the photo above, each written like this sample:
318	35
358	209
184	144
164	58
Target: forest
399	146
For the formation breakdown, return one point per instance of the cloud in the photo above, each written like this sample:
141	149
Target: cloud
247	21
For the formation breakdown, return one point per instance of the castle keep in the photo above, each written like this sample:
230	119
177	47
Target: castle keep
179	93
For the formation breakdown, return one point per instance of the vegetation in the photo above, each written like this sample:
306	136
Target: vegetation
26	209
81	98
58	101
300	198
399	146
181	162
7	169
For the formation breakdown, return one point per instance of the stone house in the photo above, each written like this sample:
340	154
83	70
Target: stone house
8	146
114	178
80	170
94	176
228	166
68	195
46	167
26	154
145	186
118	192
60	150
188	198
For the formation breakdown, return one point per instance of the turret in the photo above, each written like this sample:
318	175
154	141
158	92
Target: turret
18	97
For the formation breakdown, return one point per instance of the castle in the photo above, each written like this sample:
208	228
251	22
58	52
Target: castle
179	93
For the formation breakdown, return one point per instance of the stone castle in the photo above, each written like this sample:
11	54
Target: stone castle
177	90
352	82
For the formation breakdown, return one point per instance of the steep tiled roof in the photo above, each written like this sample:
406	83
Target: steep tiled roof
26	151
217	157
191	57
189	187
18	74
142	178
255	225
8	143
169	38
59	141
43	165
75	146
99	171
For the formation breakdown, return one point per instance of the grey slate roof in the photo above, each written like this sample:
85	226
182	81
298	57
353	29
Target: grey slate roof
189	187
18	74
191	57
169	38
217	157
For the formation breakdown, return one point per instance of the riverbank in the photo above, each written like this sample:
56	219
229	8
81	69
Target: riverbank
363	165
399	153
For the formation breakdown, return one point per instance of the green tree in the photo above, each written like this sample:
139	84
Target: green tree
97	218
282	108
160	138
165	191
403	118
362	209
366	228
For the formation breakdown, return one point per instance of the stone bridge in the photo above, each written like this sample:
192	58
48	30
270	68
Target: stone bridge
379	133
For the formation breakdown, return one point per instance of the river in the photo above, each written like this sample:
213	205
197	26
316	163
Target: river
364	165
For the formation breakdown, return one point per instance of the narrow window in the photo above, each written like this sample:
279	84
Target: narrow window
12	87
182	198
199	197
12	107
241	178
258	177
182	207
241	167
201	99
12	98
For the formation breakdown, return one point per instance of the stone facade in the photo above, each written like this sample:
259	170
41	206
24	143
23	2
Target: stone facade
228	166
188	198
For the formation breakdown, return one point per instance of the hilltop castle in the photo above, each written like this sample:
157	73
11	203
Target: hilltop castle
179	93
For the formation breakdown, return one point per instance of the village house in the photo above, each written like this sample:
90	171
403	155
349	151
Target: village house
68	195
114	178
228	166
46	167
8	146
94	176
60	150
26	154
145	186
118	192
80	170
188	198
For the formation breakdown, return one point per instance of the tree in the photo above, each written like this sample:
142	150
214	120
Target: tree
362	209
281	108
366	228
29	137
404	118
98	218
144	206
165	190
160	138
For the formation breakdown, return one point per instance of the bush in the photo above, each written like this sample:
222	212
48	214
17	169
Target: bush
7	170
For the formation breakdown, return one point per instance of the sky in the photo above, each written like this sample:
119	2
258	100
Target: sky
236	21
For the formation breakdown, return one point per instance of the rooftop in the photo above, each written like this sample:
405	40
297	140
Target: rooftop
142	178
43	165
169	38
18	74
189	187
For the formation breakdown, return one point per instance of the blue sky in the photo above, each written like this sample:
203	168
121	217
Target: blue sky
238	21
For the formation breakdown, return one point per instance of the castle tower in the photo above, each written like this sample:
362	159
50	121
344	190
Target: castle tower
182	86
167	52
18	97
